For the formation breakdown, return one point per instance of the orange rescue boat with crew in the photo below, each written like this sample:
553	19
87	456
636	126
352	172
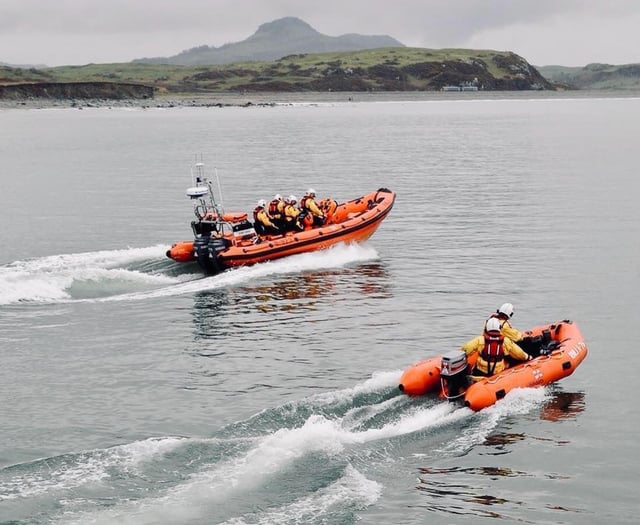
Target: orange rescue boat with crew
557	350
227	240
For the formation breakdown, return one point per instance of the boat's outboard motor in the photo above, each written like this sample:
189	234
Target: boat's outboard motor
453	374
206	250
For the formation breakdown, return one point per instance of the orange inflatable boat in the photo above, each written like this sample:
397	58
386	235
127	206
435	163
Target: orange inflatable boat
227	240
557	348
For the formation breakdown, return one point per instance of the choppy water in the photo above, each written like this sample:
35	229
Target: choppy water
135	391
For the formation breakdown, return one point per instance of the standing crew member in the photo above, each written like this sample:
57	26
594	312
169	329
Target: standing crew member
492	347
503	314
309	205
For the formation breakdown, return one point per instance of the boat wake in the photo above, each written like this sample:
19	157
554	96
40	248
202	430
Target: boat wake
342	443
143	273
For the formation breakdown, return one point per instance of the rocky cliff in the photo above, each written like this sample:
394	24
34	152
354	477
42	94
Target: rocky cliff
76	90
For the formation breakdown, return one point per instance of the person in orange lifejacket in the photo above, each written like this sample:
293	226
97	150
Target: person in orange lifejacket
276	211
492	348
262	222
504	314
308	204
292	214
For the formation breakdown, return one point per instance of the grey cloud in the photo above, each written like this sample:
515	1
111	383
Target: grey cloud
127	29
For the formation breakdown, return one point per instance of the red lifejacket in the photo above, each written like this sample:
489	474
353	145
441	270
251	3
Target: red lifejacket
493	351
255	213
274	209
303	202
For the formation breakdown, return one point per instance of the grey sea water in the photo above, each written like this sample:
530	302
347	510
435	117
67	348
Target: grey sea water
135	391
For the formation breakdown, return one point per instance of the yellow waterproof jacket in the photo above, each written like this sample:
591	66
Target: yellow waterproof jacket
262	216
509	331
510	348
291	212
309	204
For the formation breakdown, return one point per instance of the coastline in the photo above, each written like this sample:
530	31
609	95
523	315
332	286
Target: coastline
268	99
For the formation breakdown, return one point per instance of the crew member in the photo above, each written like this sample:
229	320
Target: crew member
308	204
492	347
262	221
292	214
276	211
504	314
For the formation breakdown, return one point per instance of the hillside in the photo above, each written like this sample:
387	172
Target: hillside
595	76
273	40
389	69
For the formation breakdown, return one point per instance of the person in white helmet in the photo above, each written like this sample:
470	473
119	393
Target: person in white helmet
308	204
292	214
262	221
276	211
492	348
504	315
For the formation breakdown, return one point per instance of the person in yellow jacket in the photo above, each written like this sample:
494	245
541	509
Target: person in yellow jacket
504	314
292	214
262	221
492	348
309	205
275	210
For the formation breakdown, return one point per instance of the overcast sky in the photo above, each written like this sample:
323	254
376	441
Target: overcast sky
544	32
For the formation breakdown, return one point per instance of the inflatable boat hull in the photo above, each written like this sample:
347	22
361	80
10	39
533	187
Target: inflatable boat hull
352	221
570	350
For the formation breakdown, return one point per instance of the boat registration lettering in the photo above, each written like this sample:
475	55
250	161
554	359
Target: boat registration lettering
575	351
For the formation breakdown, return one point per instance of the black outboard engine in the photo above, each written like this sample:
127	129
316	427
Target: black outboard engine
453	374
206	250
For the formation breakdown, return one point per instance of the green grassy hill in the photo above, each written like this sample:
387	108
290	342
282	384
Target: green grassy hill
595	76
386	69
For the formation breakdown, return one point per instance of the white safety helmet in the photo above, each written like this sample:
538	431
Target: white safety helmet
493	324
277	197
506	309
311	192
292	199
262	203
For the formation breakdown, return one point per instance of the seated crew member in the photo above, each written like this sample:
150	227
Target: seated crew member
262	221
308	204
492	347
276	211
292	214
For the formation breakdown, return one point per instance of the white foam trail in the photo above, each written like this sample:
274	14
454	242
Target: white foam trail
272	454
518	401
269	456
276	451
57	278
352	489
99	276
85	469
335	257
377	382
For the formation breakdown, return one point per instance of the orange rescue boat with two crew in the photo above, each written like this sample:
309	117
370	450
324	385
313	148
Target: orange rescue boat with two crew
557	350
